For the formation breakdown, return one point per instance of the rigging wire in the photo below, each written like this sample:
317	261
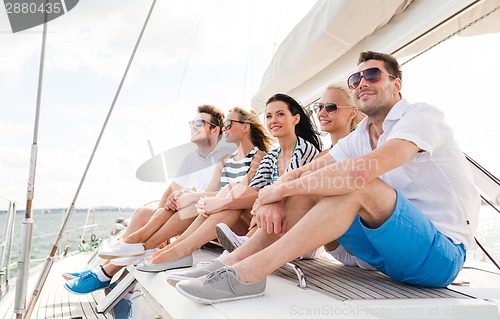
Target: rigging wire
470	24
186	66
50	259
247	64
190	53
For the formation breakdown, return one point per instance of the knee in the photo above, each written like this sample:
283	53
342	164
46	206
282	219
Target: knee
305	201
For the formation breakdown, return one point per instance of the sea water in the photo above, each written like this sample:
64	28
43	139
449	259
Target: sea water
46	227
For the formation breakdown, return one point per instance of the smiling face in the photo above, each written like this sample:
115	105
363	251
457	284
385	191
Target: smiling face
237	130
376	98
279	120
201	134
340	120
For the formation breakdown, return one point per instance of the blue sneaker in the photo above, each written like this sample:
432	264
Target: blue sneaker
73	275
86	284
123	309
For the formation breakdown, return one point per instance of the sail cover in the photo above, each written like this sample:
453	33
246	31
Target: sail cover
324	46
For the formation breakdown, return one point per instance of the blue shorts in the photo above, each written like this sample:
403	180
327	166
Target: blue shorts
407	247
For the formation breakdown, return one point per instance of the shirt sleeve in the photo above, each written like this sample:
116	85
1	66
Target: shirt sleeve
423	125
264	174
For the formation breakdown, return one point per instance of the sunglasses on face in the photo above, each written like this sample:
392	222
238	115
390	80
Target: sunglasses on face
227	124
370	75
199	123
329	107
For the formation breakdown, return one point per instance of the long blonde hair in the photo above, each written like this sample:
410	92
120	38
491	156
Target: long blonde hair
342	88
258	133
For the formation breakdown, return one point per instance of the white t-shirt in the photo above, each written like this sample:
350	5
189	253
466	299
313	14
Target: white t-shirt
196	171
437	180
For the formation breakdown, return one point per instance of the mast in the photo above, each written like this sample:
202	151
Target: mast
23	264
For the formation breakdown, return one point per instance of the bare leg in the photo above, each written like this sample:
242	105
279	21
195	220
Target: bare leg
173	227
186	244
140	218
296	207
155	223
327	220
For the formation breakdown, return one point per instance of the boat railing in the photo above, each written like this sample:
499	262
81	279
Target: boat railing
84	244
489	187
6	244
94	241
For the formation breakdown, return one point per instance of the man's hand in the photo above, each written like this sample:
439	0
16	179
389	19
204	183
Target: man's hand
272	218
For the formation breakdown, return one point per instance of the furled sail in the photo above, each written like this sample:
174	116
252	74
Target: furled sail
324	46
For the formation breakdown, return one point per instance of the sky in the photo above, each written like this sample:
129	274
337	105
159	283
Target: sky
175	70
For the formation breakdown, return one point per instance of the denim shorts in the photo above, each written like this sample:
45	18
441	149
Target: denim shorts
407	247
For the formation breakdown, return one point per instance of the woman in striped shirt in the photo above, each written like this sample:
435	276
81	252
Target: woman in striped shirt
298	144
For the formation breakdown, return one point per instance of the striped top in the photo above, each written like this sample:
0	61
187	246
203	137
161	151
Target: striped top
234	171
304	153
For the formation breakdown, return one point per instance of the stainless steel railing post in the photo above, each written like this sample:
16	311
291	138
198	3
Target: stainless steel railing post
6	245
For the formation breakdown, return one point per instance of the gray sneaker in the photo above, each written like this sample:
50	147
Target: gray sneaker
194	272
219	286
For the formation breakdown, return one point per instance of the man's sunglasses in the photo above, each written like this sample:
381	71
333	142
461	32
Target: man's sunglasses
227	124
330	107
371	75
199	123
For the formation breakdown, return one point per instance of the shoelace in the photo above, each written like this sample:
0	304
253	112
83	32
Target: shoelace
87	276
219	274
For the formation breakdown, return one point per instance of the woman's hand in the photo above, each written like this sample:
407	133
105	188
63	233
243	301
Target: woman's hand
210	205
171	202
271	194
186	199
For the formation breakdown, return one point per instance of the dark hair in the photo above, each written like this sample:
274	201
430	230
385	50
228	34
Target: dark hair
258	133
390	63
217	116
305	127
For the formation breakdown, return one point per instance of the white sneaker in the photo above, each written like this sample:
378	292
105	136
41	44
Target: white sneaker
123	250
229	240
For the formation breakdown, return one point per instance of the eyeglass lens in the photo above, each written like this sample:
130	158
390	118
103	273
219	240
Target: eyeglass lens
371	75
330	107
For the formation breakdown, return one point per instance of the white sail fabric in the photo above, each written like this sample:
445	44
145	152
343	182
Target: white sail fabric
324	46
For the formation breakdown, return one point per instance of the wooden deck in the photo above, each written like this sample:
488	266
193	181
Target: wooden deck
55	301
352	283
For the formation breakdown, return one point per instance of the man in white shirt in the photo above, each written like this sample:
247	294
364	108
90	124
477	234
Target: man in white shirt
396	193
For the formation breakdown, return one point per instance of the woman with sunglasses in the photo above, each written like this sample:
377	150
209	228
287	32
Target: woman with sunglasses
298	145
